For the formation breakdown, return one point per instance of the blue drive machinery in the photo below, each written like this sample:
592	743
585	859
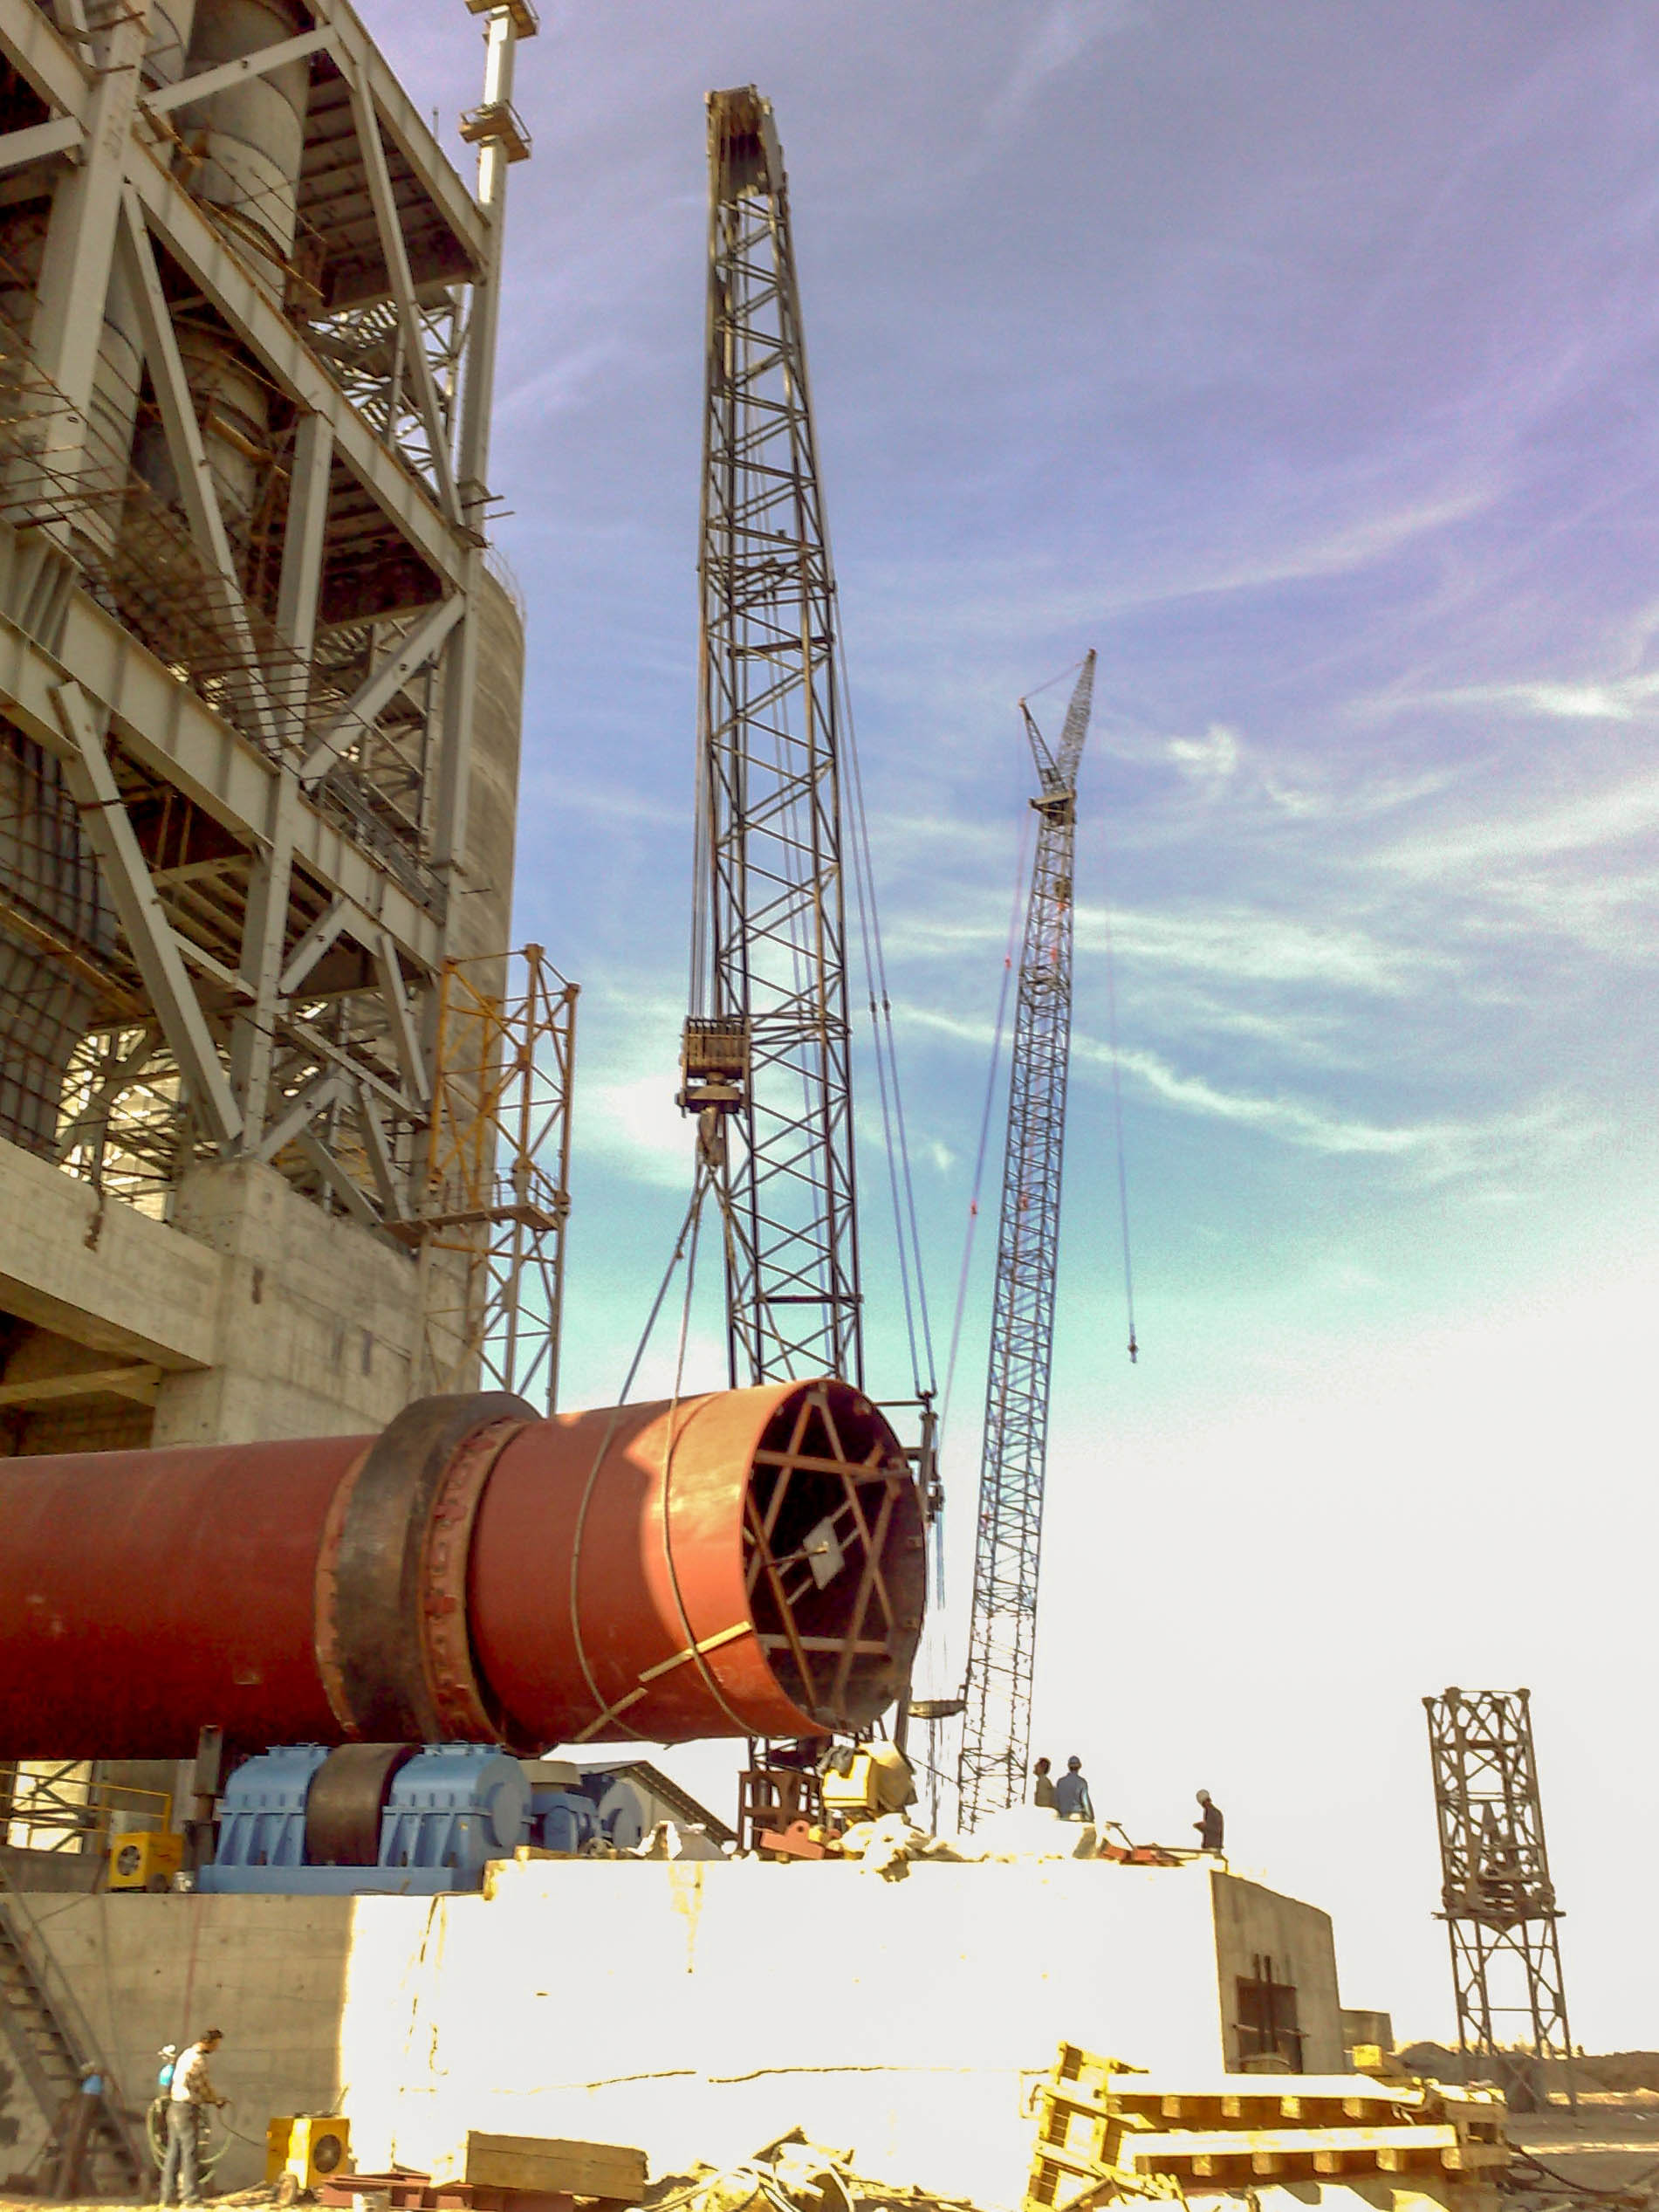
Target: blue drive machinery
401	1819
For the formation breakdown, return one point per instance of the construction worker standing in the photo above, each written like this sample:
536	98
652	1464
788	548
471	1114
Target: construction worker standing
1042	1788
190	2092
1072	1793
1209	1824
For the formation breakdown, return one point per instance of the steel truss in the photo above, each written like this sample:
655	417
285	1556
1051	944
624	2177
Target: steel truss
767	1053
238	641
498	1175
1008	1541
1497	1898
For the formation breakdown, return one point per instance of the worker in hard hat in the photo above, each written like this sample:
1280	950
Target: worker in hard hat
1042	1784
1072	1798
188	2095
1210	1823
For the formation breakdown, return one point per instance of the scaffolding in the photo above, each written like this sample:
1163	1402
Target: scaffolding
498	1180
1497	1898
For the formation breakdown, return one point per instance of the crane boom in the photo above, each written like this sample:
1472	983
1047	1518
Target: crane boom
1002	1631
767	1057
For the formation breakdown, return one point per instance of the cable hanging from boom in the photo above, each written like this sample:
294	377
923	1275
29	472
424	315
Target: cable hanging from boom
1117	1123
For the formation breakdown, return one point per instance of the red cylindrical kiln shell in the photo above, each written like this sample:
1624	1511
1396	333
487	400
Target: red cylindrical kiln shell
592	1571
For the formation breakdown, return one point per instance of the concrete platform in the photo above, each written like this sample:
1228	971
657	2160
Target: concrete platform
698	2010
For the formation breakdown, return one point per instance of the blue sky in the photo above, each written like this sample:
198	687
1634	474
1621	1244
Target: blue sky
1301	359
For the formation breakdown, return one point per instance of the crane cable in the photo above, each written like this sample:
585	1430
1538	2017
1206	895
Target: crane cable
1117	1117
894	1134
985	1119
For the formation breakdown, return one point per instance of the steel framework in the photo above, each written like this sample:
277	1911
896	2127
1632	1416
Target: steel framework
498	1175
243	443
766	1057
1497	1898
1008	1541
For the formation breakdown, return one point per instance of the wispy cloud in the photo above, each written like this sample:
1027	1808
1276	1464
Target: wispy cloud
1631	698
1438	1149
1592	823
1066	31
1251	944
1210	759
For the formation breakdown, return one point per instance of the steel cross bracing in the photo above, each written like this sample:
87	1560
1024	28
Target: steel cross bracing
1497	1898
768	1046
244	446
1008	1540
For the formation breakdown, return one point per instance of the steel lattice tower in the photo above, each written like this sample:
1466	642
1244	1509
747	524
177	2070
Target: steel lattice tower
767	1049
1497	1898
1003	1634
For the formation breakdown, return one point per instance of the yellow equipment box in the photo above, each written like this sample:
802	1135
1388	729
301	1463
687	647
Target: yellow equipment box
145	1859
310	2146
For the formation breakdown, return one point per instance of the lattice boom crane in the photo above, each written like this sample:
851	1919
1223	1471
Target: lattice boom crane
766	1057
1002	1631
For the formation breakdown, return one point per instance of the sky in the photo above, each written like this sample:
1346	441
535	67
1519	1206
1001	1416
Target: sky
1300	359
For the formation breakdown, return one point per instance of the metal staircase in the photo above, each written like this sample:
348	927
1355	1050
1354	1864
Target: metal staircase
53	2049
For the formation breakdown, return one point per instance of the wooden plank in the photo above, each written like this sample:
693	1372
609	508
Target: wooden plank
544	2165
1270	2089
1148	2150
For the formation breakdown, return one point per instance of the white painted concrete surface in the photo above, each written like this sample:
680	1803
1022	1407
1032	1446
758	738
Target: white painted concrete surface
696	2010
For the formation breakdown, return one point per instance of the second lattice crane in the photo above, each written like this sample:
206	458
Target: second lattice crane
1008	1538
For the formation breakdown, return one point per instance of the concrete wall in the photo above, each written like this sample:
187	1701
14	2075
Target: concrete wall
1253	1924
698	2010
107	1276
267	1318
317	1317
149	1970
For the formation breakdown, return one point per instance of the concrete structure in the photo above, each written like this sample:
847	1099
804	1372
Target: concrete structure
259	704
696	2009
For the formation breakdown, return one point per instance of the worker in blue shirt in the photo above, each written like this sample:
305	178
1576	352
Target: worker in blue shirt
1072	1793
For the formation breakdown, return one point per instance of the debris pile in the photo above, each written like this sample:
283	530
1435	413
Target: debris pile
791	2175
890	1842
